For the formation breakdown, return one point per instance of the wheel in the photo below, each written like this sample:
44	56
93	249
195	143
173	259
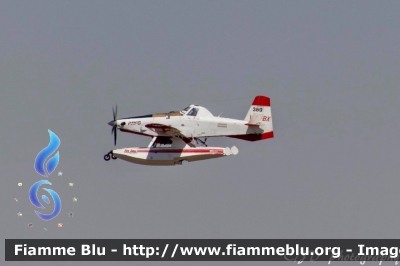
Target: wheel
113	156
107	157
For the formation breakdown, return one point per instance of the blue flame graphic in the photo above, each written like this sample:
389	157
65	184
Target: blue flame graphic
45	199
35	201
45	154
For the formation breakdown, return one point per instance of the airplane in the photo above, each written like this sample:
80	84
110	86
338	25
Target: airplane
174	134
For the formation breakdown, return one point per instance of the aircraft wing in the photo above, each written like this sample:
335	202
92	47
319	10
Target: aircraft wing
168	130
173	141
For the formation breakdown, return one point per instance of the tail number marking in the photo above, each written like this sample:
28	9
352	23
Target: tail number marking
266	118
257	109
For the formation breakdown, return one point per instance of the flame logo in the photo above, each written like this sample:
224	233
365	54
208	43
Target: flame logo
35	201
45	153
51	165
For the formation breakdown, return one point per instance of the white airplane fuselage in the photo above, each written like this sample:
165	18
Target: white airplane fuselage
202	125
198	127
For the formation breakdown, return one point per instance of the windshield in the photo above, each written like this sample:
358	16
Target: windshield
193	112
186	109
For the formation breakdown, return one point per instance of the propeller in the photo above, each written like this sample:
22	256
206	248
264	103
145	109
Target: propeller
114	124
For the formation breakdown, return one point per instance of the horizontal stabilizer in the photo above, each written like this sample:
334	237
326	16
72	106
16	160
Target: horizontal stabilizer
255	119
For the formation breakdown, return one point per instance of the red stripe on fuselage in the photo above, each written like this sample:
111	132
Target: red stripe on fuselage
176	150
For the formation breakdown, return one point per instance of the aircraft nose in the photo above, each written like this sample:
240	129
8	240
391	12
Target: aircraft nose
112	123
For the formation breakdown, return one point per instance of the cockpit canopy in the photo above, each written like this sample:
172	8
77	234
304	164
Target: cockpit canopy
196	110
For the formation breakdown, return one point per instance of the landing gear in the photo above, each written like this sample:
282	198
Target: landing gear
202	142
109	155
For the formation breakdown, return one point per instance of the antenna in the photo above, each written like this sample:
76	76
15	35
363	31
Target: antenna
220	114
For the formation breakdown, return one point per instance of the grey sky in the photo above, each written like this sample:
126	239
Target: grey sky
331	69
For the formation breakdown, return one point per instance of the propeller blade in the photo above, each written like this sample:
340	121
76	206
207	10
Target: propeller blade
115	112
114	124
115	137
